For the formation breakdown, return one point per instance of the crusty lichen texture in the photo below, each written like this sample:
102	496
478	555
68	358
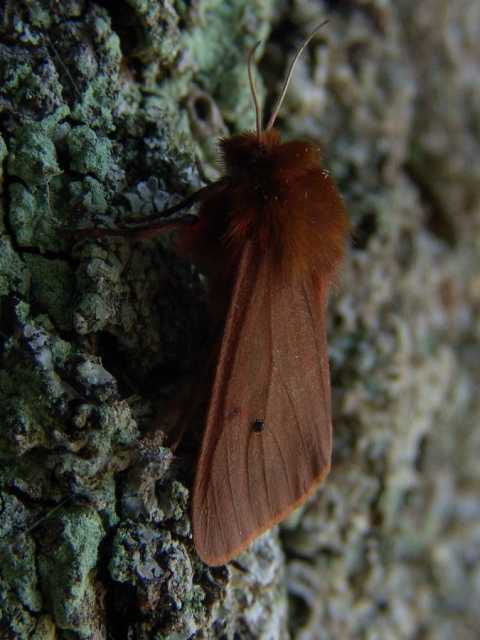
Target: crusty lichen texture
106	109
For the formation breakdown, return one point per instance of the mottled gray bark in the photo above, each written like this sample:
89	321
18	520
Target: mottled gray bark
105	108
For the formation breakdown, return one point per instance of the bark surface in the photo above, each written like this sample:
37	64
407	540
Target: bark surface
105	108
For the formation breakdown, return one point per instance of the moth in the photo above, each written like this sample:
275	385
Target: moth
270	237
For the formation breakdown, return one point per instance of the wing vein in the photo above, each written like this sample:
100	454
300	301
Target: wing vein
230	468
318	346
284	463
271	368
217	519
247	466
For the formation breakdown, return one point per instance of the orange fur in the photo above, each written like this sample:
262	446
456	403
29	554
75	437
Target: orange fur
279	196
270	239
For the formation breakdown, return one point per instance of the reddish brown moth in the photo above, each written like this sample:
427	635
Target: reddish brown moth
270	236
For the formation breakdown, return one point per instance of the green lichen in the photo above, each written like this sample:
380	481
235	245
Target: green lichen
31	387
88	152
99	303
14	276
161	37
66	561
31	213
158	567
28	80
90	194
33	157
13	516
21	623
39	191
51	288
17	554
19	594
219	48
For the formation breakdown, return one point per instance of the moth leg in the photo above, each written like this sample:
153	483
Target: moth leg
152	226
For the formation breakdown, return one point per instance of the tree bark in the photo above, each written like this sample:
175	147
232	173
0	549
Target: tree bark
107	108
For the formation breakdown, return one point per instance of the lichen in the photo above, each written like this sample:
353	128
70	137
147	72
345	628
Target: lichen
33	156
14	277
52	288
19	570
89	154
105	111
67	558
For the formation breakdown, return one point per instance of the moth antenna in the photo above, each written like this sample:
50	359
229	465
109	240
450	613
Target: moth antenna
258	111
278	104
